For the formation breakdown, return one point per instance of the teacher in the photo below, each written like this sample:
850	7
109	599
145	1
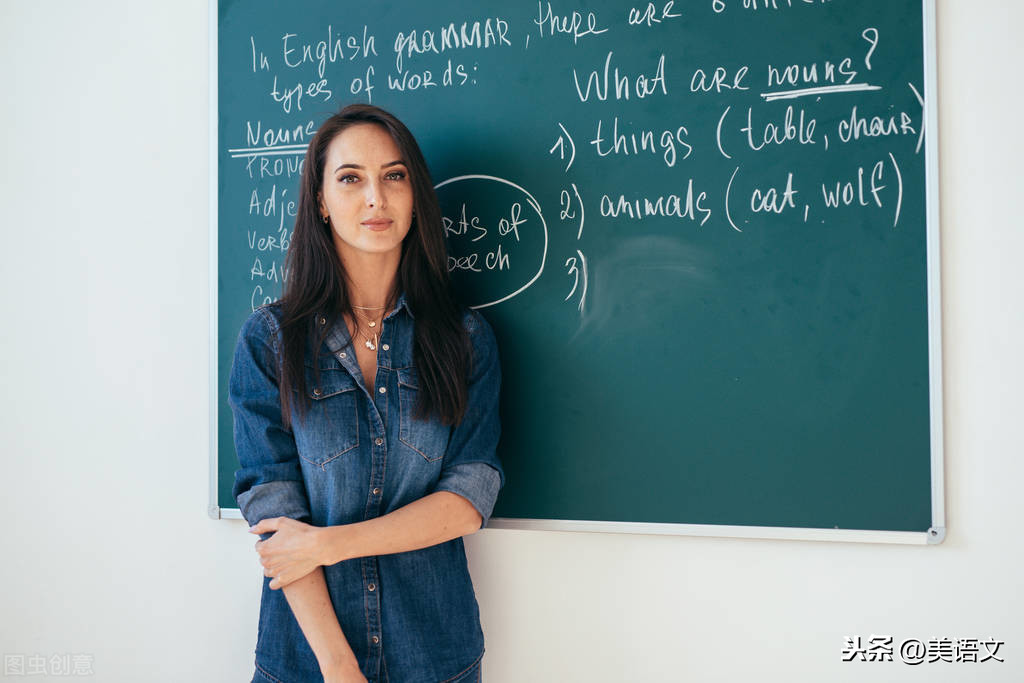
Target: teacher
365	406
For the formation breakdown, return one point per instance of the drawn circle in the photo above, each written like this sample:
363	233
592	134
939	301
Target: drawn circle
534	204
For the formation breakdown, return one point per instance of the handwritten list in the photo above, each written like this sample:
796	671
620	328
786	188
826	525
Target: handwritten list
831	103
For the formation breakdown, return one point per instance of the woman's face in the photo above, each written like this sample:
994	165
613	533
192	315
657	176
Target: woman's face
366	192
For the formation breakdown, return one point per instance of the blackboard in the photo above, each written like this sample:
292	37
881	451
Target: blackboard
704	232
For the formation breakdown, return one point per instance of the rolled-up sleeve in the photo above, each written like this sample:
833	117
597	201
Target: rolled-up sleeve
269	481
471	466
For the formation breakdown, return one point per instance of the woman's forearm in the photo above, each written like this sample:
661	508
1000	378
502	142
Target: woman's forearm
435	518
311	605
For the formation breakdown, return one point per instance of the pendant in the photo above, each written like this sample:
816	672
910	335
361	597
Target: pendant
369	345
373	324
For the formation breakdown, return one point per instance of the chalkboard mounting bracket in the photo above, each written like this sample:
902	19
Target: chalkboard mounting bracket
936	535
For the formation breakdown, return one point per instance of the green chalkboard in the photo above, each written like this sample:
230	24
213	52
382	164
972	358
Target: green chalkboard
703	232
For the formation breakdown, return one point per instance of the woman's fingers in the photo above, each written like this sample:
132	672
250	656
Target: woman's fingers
293	545
267	525
271	524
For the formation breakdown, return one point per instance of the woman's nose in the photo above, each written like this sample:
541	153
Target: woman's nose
375	194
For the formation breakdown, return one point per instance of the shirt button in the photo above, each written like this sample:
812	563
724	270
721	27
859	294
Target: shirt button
343	354
376	492
379	441
317	392
372	587
375	640
383	390
323	321
385	347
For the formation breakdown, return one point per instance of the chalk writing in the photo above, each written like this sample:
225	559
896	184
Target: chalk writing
497	236
493	31
639	142
329	50
651	15
570	24
692	206
637	110
857	126
640	86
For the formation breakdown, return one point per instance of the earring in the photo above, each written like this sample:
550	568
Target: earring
325	219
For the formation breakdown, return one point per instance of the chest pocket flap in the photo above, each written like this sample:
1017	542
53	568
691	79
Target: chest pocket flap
331	426
428	438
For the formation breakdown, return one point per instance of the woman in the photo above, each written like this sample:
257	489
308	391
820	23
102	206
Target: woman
366	421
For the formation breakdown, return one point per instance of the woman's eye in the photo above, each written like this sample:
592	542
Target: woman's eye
348	178
395	175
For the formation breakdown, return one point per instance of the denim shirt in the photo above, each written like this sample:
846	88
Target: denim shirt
409	616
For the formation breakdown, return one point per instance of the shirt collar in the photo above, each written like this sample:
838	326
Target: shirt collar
338	337
400	304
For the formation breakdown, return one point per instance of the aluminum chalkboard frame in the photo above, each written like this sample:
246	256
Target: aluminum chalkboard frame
934	534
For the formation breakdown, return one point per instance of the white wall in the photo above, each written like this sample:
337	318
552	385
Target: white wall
107	549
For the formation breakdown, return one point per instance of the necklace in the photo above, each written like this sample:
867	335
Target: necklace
369	343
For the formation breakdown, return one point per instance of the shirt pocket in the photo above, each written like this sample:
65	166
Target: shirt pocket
330	427
428	438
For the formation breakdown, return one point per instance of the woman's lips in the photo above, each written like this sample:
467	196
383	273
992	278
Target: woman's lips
377	223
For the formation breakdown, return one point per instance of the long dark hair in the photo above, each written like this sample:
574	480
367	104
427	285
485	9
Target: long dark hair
317	282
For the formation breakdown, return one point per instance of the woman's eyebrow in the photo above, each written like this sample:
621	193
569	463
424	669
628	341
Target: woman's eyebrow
399	162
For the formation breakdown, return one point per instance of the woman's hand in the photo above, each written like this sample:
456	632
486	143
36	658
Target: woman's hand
291	553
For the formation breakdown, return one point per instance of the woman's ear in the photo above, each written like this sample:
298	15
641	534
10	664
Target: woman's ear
320	204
